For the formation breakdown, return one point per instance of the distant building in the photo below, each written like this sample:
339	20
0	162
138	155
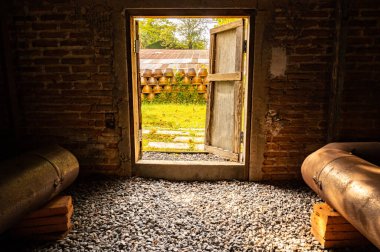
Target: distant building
167	58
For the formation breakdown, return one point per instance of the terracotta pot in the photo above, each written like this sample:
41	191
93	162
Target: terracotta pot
173	80
191	72
142	97
201	88
163	80
191	88
157	89
181	72
196	80
168	88
206	81
157	73
147	89
152	81
150	97
202	72
169	72
147	73
186	80
143	81
205	95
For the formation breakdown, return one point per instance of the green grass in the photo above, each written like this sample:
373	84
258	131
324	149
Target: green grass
172	116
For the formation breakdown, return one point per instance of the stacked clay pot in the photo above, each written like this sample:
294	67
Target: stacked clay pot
158	81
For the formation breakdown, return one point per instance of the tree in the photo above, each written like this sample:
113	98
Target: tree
185	33
192	31
158	33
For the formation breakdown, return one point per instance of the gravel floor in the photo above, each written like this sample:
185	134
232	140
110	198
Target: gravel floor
157	215
147	155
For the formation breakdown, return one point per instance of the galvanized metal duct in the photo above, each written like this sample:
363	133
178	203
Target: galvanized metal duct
342	177
32	179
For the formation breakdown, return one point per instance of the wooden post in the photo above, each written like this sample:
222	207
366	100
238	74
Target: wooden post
337	81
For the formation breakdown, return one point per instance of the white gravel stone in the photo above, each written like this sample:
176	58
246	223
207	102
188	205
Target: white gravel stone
157	215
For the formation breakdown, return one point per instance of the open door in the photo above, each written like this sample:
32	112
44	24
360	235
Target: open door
136	89
224	107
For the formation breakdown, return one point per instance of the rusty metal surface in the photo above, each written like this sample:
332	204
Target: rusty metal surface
341	176
32	179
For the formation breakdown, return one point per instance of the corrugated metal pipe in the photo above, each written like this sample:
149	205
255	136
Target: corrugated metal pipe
32	179
347	177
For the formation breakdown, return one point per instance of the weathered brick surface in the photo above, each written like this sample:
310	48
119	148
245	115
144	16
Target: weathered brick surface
298	101
4	115
360	112
64	70
61	52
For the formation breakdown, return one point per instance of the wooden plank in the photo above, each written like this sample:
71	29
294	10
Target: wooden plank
225	76
227	27
48	237
57	219
62	227
57	206
325	209
210	91
238	92
326	225
338	243
136	111
190	12
222	153
190	171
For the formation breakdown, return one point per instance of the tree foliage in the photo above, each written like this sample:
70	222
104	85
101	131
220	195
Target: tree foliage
158	33
192	31
186	33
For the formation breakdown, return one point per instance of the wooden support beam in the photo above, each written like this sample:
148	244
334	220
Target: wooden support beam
337	81
225	77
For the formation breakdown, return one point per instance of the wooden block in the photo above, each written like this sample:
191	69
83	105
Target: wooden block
323	226
332	230
60	205
25	231
45	237
327	214
338	243
44	221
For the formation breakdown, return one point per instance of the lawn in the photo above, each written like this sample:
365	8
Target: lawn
188	119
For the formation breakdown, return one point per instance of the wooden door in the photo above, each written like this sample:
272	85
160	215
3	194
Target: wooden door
136	89
224	106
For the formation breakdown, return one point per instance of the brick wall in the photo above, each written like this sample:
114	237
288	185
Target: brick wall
297	104
64	59
4	122
64	62
360	111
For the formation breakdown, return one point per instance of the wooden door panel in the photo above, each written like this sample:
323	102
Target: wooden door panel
223	130
225	54
224	107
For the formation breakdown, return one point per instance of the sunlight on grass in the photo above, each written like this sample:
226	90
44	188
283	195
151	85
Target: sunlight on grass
173	116
185	118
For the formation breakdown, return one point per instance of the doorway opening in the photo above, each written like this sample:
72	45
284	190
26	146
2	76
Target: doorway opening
195	97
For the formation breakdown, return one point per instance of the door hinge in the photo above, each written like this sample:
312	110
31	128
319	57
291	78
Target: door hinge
136	46
241	137
140	135
244	46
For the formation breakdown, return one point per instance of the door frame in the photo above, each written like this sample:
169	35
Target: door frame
188	170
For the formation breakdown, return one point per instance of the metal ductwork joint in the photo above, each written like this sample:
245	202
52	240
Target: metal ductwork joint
347	177
29	181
